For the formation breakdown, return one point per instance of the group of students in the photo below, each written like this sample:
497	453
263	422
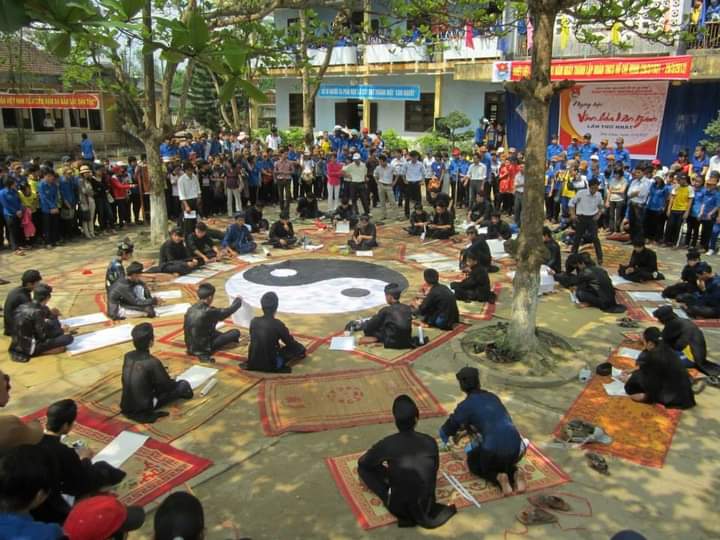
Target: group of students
51	489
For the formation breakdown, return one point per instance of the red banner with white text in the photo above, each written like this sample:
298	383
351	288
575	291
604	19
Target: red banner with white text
49	101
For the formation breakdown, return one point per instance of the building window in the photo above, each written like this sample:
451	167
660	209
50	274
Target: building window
78	118
295	106
44	120
14	118
95	120
59	118
419	114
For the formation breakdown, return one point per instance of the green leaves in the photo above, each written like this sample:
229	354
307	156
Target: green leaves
132	7
233	84
14	16
198	30
59	44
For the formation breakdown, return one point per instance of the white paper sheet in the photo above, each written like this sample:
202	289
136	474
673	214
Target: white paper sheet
447	265
342	343
220	267
84	320
190	215
190	279
615	372
243	316
367	253
251	258
106	337
197	375
628	353
497	250
547	282
168	295
313	247
342	227
615	388
639	296
121	448
617	280
171	309
680	312
427	257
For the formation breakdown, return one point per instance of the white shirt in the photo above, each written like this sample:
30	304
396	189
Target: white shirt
414	172
586	203
398	165
384	175
188	187
519	182
477	171
273	141
174	183
428	163
639	190
356	172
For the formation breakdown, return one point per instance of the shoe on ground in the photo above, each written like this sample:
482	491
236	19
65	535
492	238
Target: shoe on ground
19	357
205	359
710	252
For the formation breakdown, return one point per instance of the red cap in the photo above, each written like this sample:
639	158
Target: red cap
655	162
99	518
365	130
456	152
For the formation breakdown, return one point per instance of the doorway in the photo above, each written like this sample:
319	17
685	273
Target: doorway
350	113
495	106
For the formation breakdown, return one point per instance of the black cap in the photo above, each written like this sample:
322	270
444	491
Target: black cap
469	378
205	291
31	276
364	217
239	215
177	231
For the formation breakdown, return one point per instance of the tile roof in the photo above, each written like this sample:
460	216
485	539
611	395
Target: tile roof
34	61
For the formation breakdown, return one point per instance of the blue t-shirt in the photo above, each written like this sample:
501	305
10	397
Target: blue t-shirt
697	202
22	527
657	198
553	150
622	156
87	150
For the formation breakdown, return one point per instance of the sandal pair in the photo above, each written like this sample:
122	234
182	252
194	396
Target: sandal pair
539	513
598	463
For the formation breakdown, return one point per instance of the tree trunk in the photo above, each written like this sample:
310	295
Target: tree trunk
530	254
308	120
158	210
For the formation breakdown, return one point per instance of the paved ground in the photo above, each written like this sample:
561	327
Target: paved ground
279	488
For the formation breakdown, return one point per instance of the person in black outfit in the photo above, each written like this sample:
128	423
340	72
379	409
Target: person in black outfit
553	260
392	325
364	237
146	385
282	234
688	278
115	269
174	256
201	246
642	265
307	207
594	286
266	333
419	218
478	247
439	307
74	472
684	336
497	228
37	328
130	297
254	218
402	471
442	223
201	336
569	278
660	377
344	212
480	210
476	285
18	296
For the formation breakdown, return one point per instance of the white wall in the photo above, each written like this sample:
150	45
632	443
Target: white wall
464	96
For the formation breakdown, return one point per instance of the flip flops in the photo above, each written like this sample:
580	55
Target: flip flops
536	516
627	322
597	462
549	502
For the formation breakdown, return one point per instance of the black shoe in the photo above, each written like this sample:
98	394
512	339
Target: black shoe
19	357
206	359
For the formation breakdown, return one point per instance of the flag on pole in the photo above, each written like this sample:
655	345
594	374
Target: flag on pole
469	36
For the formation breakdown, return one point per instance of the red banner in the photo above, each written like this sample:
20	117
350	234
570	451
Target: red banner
49	101
656	68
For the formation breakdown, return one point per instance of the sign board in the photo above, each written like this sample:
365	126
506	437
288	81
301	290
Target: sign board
657	68
49	101
370	91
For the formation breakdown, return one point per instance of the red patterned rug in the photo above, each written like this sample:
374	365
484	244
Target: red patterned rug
642	311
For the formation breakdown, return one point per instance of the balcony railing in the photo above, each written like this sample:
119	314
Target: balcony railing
575	49
706	37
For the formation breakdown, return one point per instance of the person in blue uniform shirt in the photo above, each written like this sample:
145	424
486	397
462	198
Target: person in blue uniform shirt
588	148
553	149
495	447
622	156
86	148
573	148
238	239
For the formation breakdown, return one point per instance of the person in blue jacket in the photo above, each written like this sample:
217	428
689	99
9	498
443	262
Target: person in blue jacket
86	148
12	213
693	221
622	156
69	198
495	446
457	169
49	196
704	304
238	239
655	209
553	149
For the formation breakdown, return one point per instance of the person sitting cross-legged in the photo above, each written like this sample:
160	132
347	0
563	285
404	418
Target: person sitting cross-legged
476	286
495	446
392	325
76	474
238	240
441	223
201	246
419	218
175	258
402	469
37	328
439	306
115	269
266	333
130	297
594	286
478	247
660	377
201	337
688	283
364	237
282	234
18	296
642	265
146	385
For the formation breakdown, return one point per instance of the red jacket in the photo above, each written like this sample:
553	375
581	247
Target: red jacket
117	189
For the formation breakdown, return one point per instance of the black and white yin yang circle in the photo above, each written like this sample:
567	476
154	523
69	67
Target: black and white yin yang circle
316	286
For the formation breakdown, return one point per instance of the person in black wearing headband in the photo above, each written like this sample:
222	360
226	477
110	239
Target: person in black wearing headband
19	296
201	337
115	269
37	328
146	385
266	333
439	306
130	297
281	233
495	446
392	325
402	470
